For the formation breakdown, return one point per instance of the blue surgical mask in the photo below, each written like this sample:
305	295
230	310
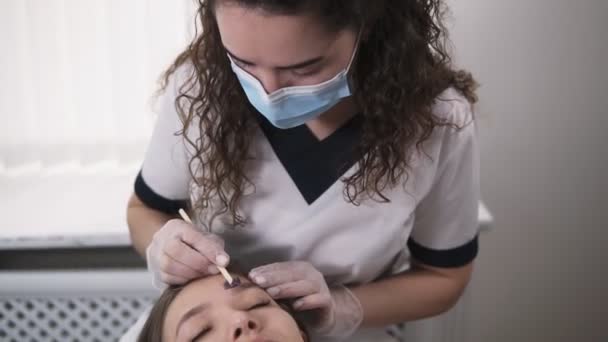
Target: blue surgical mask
293	106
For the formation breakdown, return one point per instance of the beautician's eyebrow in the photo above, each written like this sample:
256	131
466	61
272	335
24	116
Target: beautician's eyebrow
287	67
204	306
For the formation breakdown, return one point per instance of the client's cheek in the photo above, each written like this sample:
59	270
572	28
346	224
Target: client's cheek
283	326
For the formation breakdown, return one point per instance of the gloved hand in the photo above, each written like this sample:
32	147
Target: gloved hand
179	252
340	312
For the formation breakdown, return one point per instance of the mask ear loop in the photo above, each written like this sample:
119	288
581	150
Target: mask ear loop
349	78
355	51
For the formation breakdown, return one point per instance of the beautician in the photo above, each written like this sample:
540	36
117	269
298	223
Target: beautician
326	147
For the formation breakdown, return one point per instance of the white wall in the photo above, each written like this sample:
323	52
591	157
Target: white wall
542	273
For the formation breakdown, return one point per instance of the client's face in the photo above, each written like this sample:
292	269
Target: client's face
205	311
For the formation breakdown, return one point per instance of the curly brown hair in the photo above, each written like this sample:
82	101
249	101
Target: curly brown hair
402	65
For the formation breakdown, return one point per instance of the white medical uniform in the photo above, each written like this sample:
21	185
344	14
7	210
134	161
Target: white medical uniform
298	210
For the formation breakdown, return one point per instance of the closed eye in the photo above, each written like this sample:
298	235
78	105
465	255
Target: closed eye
201	334
260	305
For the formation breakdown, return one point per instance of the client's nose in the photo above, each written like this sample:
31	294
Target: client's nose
270	81
244	327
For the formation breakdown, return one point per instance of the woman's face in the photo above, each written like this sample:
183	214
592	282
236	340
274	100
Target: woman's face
281	50
205	311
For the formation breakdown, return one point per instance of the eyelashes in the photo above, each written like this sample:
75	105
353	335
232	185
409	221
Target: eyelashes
243	64
303	72
200	334
260	305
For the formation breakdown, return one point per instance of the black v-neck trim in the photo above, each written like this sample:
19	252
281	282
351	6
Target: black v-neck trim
314	165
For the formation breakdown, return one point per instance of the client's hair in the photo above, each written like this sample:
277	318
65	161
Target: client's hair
152	330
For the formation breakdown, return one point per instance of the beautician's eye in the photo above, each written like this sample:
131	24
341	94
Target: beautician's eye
243	65
308	71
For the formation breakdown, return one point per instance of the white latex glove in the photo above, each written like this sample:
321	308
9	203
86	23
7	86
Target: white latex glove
339	311
179	252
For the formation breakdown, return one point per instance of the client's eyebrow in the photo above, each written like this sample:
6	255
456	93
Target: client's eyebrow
204	306
244	286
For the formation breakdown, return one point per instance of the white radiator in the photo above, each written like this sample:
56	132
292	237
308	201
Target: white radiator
71	306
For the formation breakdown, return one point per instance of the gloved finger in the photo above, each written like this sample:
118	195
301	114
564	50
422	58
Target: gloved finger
210	246
279	273
315	301
300	288
186	255
174	267
172	279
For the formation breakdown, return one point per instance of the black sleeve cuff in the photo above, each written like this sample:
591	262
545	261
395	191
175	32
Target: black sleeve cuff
454	257
156	201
